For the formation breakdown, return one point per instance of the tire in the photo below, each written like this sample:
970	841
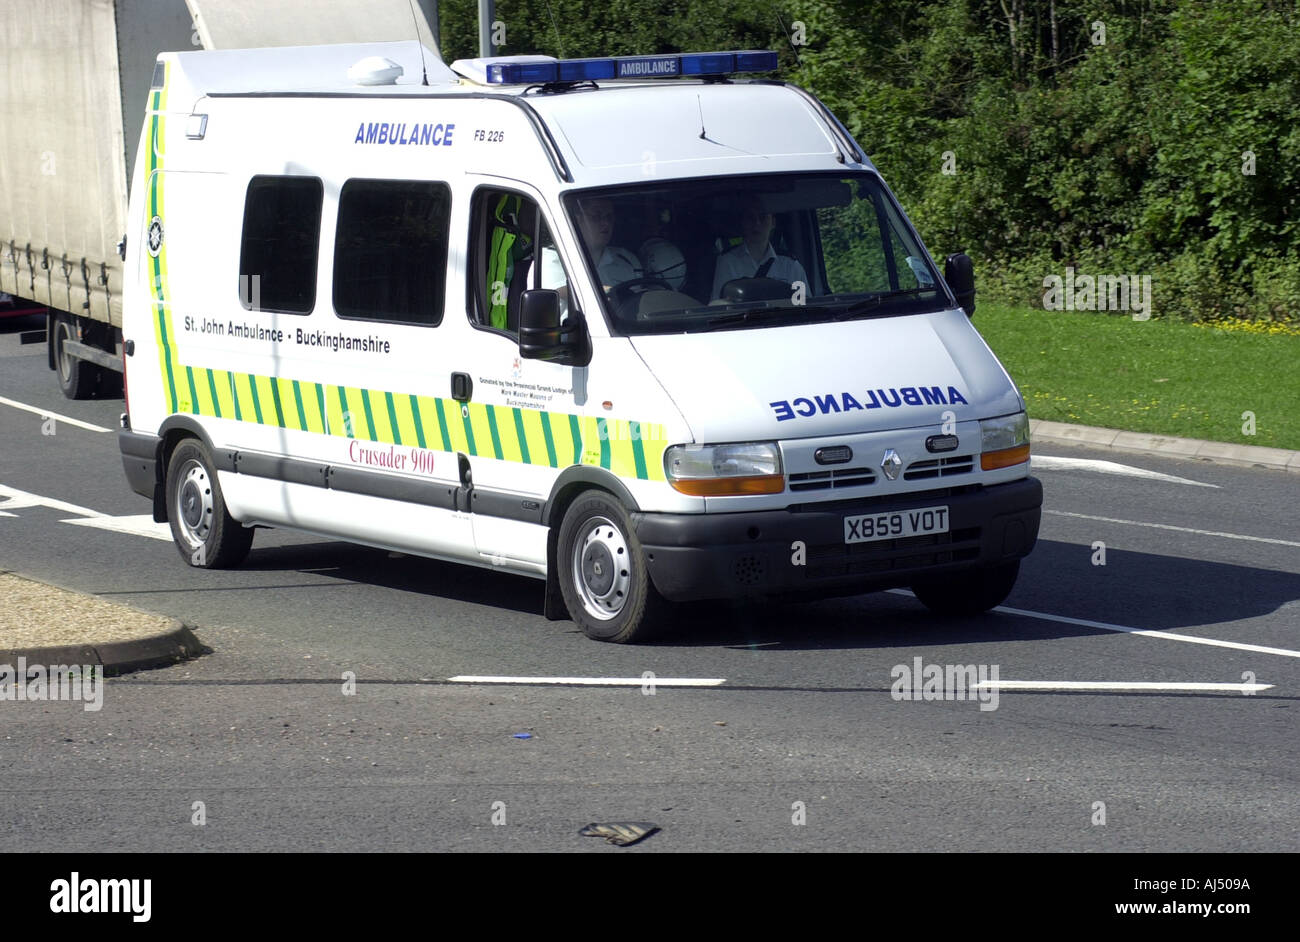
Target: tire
602	571
77	378
206	536
968	593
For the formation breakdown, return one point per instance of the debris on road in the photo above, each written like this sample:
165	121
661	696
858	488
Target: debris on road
623	833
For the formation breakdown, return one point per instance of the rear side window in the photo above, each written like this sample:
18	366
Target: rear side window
390	251
277	261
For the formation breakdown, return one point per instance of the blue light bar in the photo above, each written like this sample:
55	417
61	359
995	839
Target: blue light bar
630	67
709	63
521	73
756	60
586	70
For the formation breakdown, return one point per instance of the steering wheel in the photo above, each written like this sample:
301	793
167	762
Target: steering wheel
621	295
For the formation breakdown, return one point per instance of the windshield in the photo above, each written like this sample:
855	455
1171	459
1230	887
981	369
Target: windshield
735	252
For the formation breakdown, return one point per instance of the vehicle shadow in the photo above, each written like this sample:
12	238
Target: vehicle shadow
1134	590
363	564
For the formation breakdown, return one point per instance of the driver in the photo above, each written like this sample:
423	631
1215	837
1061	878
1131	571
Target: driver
754	256
614	265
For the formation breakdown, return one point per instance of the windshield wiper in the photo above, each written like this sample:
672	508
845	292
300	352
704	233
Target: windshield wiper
851	310
859	308
744	317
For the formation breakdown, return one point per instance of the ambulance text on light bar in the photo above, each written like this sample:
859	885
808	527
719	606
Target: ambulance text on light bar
630	67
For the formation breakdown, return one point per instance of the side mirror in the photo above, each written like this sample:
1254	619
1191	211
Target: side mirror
543	337
959	272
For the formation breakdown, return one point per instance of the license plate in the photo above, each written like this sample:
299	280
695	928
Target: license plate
895	524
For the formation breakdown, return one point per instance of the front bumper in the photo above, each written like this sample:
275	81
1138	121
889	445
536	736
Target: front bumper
737	555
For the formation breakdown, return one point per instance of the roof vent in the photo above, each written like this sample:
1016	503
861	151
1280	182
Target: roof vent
375	70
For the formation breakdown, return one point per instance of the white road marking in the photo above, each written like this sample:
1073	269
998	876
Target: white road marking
1116	685
593	681
131	524
46	413
1052	463
1148	632
19	499
1166	526
1151	633
134	525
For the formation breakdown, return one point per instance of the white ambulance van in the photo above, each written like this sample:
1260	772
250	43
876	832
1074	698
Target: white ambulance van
641	327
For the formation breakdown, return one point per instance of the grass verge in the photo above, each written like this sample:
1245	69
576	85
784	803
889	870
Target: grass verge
1165	377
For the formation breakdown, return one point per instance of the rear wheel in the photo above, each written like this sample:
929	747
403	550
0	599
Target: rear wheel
970	592
77	378
205	533
602	571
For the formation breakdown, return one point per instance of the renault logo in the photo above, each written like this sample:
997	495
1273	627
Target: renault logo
891	464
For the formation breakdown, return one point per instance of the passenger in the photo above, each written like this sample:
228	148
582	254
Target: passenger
754	257
614	265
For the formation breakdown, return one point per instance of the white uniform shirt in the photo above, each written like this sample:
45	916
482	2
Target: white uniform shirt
736	263
615	267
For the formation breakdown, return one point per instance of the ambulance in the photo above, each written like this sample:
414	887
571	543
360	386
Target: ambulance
649	329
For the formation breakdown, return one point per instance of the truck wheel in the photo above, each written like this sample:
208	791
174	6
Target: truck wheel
77	378
602	571
205	533
968	593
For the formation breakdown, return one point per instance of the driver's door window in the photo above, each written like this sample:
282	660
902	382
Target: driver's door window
511	251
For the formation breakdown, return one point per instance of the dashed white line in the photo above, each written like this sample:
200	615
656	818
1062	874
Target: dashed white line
1166	526
1118	685
592	681
46	413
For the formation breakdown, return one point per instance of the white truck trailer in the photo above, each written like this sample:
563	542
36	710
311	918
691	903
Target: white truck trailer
74	81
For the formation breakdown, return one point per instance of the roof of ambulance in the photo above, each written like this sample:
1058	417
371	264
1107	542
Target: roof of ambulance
679	124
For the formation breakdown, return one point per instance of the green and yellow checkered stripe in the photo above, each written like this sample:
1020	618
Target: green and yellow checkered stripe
506	433
527	436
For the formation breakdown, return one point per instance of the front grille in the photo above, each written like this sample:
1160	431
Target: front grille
839	477
865	505
828	560
939	467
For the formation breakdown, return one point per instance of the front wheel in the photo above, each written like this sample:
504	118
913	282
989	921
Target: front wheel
602	571
205	533
970	592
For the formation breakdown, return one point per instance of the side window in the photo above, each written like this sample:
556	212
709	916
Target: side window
390	250
853	248
511	251
281	243
913	272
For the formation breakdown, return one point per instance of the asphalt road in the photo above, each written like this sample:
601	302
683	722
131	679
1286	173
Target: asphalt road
803	725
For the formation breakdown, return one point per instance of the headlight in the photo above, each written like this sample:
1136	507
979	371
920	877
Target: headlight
725	470
1004	441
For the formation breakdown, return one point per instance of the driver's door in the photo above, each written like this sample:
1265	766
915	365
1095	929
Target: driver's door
518	417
